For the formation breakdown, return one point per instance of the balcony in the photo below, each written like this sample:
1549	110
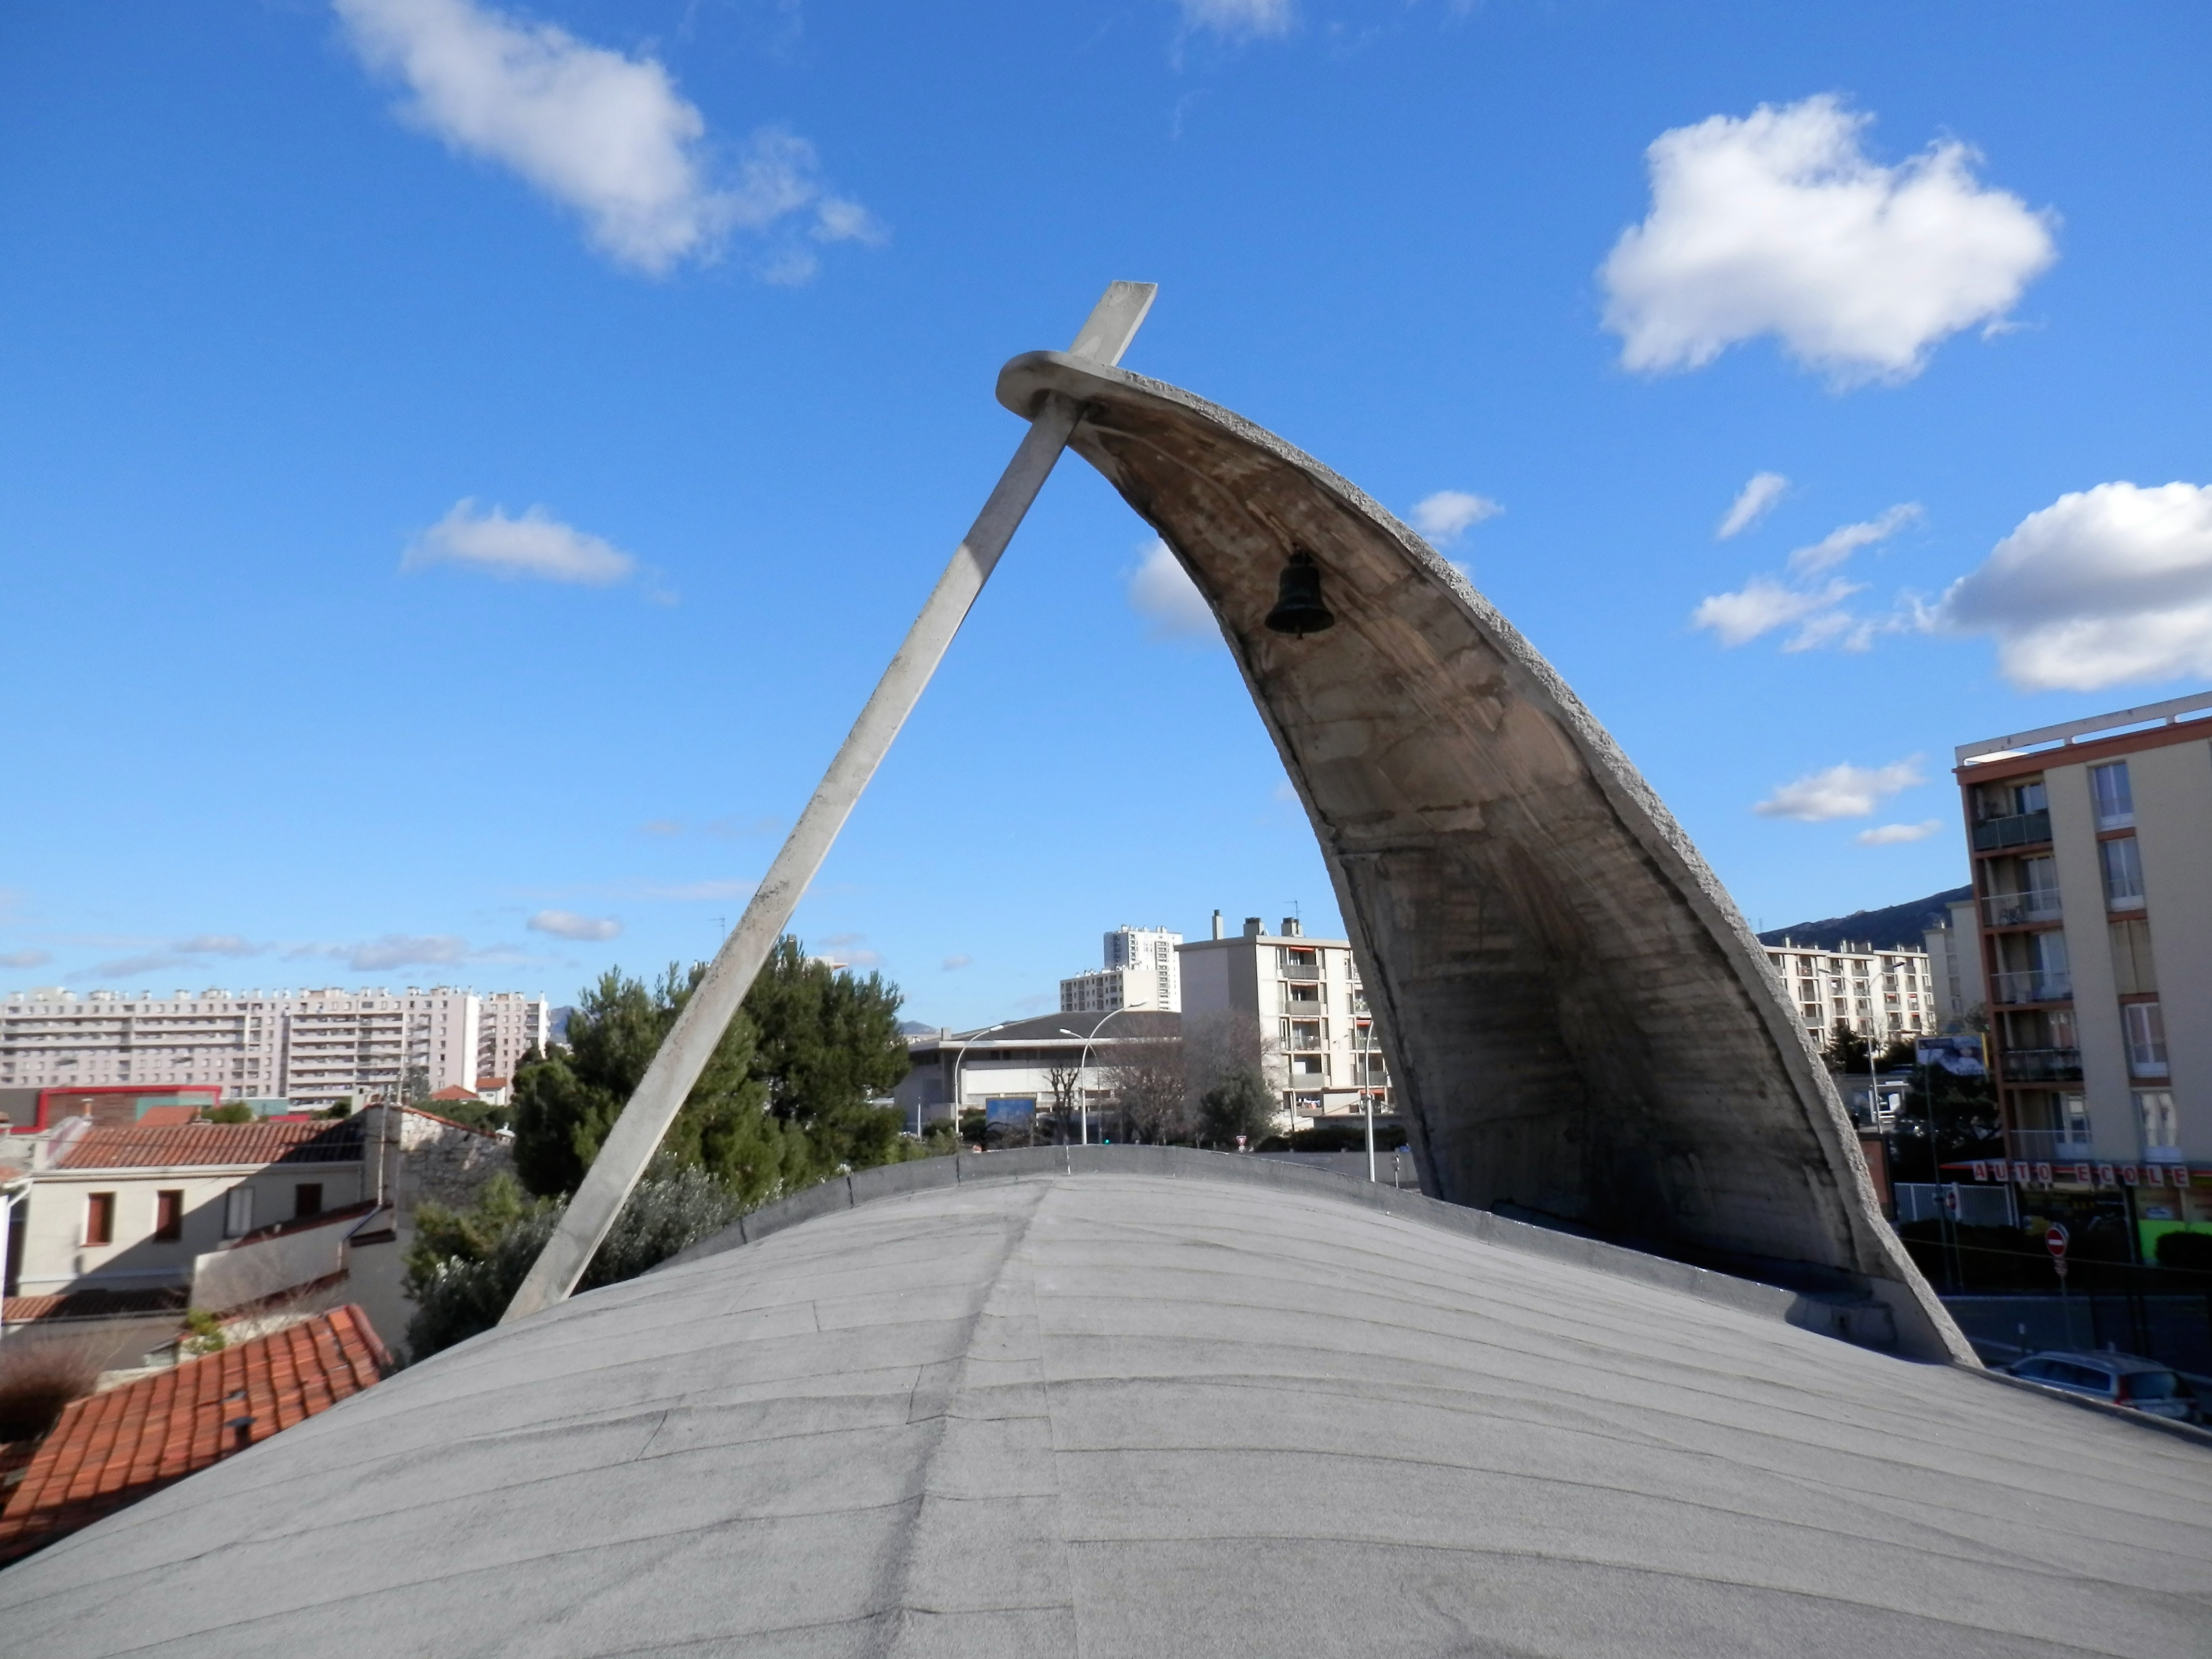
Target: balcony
2019	909
2022	830
2042	1065
2063	1146
2031	985
1301	970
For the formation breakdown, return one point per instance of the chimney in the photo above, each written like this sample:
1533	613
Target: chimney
1291	929
1217	924
1252	928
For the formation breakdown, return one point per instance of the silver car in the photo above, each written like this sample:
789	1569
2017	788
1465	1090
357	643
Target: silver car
2118	1379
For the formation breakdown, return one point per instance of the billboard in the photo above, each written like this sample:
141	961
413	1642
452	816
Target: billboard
1010	1111
1959	1054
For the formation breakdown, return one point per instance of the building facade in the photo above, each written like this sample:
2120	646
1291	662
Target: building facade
1141	971
1954	963
1882	995
1054	1063
1307	998
2094	922
312	1048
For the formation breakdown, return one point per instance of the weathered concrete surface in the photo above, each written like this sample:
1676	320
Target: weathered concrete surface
1048	1412
1577	1021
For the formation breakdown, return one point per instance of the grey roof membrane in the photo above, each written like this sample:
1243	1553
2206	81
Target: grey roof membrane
1085	1411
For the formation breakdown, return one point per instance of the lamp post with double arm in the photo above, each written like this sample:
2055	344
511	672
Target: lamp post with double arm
1082	1101
959	1058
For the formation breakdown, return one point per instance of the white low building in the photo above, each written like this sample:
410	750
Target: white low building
313	1048
1025	1066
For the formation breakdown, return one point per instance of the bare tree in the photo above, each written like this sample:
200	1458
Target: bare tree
1148	1085
1065	1079
1235	1076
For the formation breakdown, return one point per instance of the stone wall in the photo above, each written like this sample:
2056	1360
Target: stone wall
443	1162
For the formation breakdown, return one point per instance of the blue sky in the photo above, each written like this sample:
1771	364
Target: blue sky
461	469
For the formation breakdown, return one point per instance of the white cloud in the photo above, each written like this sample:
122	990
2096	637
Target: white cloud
1763	604
1238	19
390	950
1892	835
25	959
2102	587
1753	502
602	133
1164	596
152	962
846	950
954	964
1444	516
660	827
1766	602
1777	223
1841	792
704	890
1842	541
215	944
566	924
535	544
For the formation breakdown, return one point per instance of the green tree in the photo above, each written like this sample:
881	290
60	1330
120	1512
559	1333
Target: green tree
1847	1050
783	1102
565	1103
829	1043
1240	1103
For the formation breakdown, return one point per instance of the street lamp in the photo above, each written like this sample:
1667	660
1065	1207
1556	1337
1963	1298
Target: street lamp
1082	1103
958	1060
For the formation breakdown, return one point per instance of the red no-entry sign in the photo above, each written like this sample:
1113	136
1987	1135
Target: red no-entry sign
2054	1240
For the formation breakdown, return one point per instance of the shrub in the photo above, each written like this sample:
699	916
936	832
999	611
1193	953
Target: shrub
2188	1252
464	1267
207	1336
39	1374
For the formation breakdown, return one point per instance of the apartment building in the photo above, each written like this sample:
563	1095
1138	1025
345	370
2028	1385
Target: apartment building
313	1048
1142	971
2094	895
1306	994
1883	995
1954	961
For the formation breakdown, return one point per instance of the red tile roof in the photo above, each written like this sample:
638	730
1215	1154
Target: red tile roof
137	1146
454	1091
162	1117
113	1449
93	1304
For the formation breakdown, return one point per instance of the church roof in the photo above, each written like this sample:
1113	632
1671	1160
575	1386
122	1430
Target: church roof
1134	1402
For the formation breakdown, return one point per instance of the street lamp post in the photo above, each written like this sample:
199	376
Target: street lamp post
959	1061
1082	1102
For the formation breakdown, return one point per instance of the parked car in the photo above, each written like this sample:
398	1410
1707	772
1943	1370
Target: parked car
2118	1379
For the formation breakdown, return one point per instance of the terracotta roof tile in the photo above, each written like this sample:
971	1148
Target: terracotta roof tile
93	1304
137	1146
113	1449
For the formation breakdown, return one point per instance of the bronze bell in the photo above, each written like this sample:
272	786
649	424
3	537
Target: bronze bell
1298	610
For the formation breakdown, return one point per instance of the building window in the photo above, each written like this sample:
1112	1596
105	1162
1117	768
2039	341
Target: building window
2073	1120
306	1200
100	1217
169	1215
2146	1029
2116	801
238	1213
2124	883
2160	1133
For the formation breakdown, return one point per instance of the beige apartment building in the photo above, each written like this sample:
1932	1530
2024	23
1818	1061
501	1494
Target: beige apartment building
1306	995
2094	895
313	1048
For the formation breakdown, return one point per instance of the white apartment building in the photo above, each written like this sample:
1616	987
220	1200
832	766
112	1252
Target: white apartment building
1142	971
1306	996
1882	995
2095	937
313	1048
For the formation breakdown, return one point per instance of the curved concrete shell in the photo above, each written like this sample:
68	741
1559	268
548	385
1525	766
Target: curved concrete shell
1577	1021
1216	1409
